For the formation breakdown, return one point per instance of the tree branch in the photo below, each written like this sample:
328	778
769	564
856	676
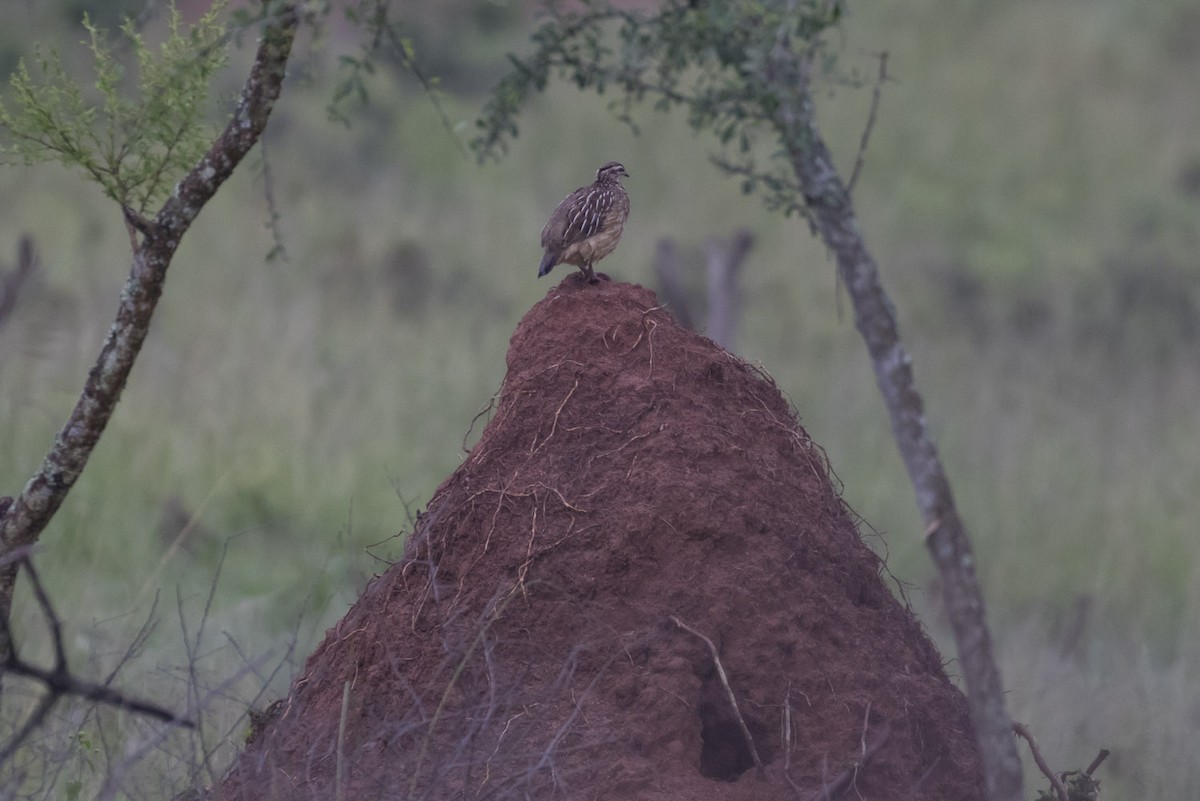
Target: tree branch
58	680
876	95
833	215
1043	766
41	497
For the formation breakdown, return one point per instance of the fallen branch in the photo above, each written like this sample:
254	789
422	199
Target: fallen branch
1023	730
737	713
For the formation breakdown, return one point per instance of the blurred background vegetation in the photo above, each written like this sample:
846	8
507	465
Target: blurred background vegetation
1032	193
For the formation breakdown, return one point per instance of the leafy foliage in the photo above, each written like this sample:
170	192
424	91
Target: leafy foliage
382	36
137	146
728	65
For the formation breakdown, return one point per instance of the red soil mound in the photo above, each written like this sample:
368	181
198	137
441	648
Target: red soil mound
638	487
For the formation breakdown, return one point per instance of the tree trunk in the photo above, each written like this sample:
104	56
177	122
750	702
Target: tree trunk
831	213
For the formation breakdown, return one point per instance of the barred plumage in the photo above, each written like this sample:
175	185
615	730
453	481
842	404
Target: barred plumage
587	225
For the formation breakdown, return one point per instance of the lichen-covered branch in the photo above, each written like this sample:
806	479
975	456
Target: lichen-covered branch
832	213
32	510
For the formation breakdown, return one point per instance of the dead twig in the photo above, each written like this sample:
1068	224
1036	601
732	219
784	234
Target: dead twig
786	736
870	126
737	713
1100	757
1022	730
58	680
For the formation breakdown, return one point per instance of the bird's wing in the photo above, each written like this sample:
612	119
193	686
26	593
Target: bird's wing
578	217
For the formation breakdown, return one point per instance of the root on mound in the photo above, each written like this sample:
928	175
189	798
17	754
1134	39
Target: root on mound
640	499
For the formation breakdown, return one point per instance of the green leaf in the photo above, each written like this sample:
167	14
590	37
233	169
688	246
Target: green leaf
135	144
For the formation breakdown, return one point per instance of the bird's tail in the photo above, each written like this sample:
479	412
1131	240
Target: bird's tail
548	262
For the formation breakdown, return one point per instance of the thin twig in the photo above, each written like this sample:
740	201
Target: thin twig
58	680
1023	730
870	126
737	713
115	775
490	615
787	741
340	775
278	251
845	779
428	85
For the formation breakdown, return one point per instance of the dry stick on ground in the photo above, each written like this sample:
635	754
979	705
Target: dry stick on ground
58	680
831	213
41	497
1055	782
737	713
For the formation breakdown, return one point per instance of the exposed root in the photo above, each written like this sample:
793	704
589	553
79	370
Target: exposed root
846	779
737	713
533	448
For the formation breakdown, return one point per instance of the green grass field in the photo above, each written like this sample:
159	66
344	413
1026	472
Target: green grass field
1032	193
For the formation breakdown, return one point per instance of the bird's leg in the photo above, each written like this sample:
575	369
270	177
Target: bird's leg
589	274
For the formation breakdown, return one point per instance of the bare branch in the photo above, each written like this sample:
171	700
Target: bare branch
1043	766
279	249
1100	757
58	680
737	713
876	94
833	215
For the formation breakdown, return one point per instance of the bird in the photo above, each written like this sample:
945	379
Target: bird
587	225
